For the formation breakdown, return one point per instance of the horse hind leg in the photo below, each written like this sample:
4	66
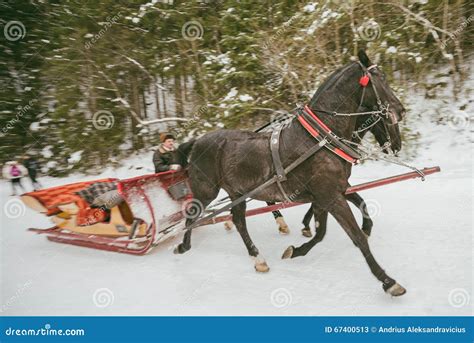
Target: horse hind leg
343	215
280	220
228	225
238	215
306	231
282	226
292	252
367	222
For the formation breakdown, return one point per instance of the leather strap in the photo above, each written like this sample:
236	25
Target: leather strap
280	171
320	133
274	147
267	183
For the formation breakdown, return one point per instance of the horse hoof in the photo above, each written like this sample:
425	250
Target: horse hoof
288	253
228	225
396	290
179	249
262	267
306	232
282	226
260	264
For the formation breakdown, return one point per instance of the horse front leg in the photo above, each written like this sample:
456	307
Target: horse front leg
238	217
367	222
342	213
186	244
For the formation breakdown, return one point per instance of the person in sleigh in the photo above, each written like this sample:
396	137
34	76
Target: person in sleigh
164	156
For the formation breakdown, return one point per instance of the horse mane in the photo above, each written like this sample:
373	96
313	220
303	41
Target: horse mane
330	81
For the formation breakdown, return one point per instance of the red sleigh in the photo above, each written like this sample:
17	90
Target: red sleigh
151	211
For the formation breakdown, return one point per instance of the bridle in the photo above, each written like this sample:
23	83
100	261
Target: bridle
382	110
351	151
380	113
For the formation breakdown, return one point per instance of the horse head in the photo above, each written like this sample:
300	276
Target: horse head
380	97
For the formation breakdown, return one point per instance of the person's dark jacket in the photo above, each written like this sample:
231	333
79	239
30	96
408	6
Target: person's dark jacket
162	159
32	167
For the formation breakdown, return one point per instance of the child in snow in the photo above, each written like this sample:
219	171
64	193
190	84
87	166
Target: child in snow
14	171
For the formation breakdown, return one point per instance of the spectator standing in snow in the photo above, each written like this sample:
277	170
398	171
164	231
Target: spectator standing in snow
14	171
163	156
32	167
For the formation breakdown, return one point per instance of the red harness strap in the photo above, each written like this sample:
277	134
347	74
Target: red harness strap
308	127
320	122
345	156
313	132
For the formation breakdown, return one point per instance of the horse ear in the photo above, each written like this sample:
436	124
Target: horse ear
363	58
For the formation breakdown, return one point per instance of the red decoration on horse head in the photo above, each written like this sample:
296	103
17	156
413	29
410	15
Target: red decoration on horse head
364	80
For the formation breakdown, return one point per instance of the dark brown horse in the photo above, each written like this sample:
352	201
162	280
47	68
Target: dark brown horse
364	125
240	161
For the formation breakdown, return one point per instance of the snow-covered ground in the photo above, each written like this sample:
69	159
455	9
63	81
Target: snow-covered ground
423	237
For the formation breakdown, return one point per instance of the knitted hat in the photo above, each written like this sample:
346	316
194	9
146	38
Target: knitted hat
164	136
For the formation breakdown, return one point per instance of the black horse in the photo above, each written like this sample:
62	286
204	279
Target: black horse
363	125
240	161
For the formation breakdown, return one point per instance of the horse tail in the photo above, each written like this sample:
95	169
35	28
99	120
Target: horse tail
183	152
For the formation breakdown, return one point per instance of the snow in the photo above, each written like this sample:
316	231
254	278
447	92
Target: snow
46	152
75	157
422	236
392	50
311	7
231	95
35	126
245	97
